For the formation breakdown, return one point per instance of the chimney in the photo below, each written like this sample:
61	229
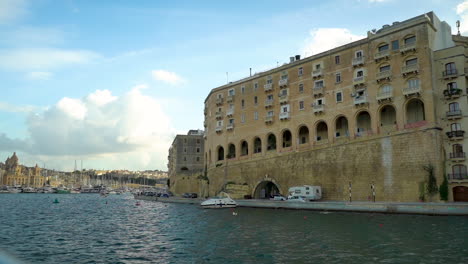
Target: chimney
298	57
291	59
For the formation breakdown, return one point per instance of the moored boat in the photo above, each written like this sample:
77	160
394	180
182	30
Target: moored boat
222	201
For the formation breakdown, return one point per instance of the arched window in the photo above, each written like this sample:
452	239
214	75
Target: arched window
459	172
450	69
454	107
257	145
287	139
220	153
387	116
231	151
341	127
244	148
303	135
455	127
363	124
271	142
322	131
415	111
457	151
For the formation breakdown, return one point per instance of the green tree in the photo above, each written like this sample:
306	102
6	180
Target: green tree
443	190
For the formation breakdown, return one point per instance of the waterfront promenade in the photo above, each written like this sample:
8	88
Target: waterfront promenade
336	206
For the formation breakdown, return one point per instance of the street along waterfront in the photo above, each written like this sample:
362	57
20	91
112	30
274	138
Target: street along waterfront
89	228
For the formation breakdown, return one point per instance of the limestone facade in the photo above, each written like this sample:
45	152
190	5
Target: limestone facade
15	174
367	115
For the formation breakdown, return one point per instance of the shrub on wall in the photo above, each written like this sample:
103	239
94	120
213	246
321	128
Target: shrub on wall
443	190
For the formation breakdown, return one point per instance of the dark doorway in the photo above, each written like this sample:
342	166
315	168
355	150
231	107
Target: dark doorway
460	194
266	190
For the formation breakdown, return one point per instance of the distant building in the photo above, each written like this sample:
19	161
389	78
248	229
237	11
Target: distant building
15	174
186	161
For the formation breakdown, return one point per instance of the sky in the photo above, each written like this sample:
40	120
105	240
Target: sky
112	82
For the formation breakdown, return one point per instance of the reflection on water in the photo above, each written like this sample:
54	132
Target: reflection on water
85	228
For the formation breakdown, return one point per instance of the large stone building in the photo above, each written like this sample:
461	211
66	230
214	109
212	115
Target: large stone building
14	174
378	115
186	162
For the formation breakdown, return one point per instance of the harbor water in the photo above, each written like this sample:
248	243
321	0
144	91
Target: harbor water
87	228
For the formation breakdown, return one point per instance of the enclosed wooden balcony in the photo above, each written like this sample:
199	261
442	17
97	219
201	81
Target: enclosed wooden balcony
284	115
317	73
384	96
359	61
268	87
358	81
269	103
283	83
383	75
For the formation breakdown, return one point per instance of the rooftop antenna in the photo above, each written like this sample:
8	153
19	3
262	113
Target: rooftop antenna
458	27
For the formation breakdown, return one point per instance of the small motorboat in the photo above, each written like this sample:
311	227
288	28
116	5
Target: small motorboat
222	201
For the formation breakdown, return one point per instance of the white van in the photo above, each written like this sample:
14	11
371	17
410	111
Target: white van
308	192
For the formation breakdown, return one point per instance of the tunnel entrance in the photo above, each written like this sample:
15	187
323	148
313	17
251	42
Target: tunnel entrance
266	190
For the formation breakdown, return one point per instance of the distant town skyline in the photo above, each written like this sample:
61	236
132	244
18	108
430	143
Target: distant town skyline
112	83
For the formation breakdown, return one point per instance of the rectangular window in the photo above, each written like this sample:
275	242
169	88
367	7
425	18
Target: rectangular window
301	105
337	59
242	103
317	66
220	123
285	109
338	78
284	75
384	68
358	54
395	44
269	80
319	102
270	113
270	97
255	115
300	71
255	86
410	40
243	118
383	47
242	89
198	141
339	97
318	84
231	92
284	92
198	150
185	150
198	158
301	88
255	100
231	121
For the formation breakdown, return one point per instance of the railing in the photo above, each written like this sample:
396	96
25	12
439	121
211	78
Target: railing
408	47
230	98
229	112
360	100
454	113
269	119
458	176
452	92
318	108
359	80
455	134
381	54
384	95
383	75
450	73
364	133
230	126
358	60
410	68
283	82
269	102
268	87
457	155
284	115
317	73
412	90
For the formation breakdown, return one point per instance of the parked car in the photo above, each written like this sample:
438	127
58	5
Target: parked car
187	195
300	199
193	195
278	197
165	195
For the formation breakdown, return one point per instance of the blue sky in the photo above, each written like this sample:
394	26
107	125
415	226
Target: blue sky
112	82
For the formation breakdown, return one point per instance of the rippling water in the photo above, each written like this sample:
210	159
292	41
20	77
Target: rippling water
85	228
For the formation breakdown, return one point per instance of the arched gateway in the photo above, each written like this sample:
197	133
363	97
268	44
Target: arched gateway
265	190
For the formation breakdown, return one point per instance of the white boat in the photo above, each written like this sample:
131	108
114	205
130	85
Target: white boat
223	201
14	190
29	190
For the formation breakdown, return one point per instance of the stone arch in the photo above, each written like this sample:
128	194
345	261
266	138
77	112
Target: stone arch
387	115
303	134
363	123
321	130
271	141
220	152
286	138
415	111
341	126
266	189
244	148
257	143
231	151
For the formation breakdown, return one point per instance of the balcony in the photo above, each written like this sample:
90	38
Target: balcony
284	115
455	135
383	75
384	96
408	47
414	90
268	87
452	93
457	156
318	90
408	69
283	83
359	61
283	99
219	115
317	73
219	101
360	100
454	114
382	55
449	74
269	103
230	112
361	80
205	111
230	126
219	129
230	99
458	176
269	119
318	108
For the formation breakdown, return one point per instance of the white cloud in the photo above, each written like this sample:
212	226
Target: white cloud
107	131
34	59
462	11
11	10
38	75
168	77
323	39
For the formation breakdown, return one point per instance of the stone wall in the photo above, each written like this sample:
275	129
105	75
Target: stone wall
189	183
393	163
